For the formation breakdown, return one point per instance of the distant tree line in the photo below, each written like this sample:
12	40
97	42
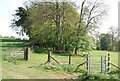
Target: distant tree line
12	37
108	41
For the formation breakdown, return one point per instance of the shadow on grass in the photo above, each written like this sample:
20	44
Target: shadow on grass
14	40
15	43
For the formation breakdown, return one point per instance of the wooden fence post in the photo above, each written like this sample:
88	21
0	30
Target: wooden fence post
49	56
9	53
70	58
87	61
109	63
26	53
28	50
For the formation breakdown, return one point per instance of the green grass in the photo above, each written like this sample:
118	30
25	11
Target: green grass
32	69
86	76
37	68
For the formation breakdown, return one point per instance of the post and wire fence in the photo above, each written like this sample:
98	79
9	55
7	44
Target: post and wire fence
92	63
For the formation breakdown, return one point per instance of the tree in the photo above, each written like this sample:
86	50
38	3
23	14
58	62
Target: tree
20	24
113	33
1	36
58	25
90	15
97	40
48	24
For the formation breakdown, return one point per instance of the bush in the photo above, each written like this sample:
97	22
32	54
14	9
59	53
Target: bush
18	39
6	37
39	50
25	38
1	36
12	37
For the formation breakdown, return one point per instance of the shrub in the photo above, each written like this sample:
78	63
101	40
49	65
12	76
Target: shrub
12	37
39	50
1	36
18	39
6	37
25	38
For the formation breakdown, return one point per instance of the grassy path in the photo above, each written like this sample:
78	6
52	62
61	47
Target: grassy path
13	75
31	70
27	72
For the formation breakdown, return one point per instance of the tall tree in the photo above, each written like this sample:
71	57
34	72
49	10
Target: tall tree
49	24
91	12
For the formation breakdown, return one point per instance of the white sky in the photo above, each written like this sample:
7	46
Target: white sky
8	7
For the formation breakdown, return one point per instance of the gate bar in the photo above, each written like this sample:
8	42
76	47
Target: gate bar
88	63
104	64
101	64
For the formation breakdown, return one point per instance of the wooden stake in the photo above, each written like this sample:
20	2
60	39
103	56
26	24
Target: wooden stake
69	58
49	55
26	53
87	61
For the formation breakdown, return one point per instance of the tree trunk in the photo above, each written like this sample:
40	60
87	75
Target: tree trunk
76	48
57	23
61	37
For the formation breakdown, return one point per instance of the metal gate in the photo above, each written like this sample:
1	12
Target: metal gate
98	64
12	53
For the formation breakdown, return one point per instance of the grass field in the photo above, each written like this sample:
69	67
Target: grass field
37	68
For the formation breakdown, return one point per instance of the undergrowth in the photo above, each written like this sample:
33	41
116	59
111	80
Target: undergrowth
85	76
56	67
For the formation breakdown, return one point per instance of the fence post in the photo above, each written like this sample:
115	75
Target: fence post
108	63
87	61
9	53
104	64
49	56
26	53
70	58
84	63
101	65
28	50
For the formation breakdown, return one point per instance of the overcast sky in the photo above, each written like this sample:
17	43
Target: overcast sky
8	7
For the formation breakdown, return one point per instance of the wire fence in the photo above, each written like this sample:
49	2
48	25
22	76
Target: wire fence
66	58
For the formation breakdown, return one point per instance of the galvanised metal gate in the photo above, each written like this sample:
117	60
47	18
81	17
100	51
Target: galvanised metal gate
12	53
98	64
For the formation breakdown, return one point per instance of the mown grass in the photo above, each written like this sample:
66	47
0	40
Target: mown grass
38	68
